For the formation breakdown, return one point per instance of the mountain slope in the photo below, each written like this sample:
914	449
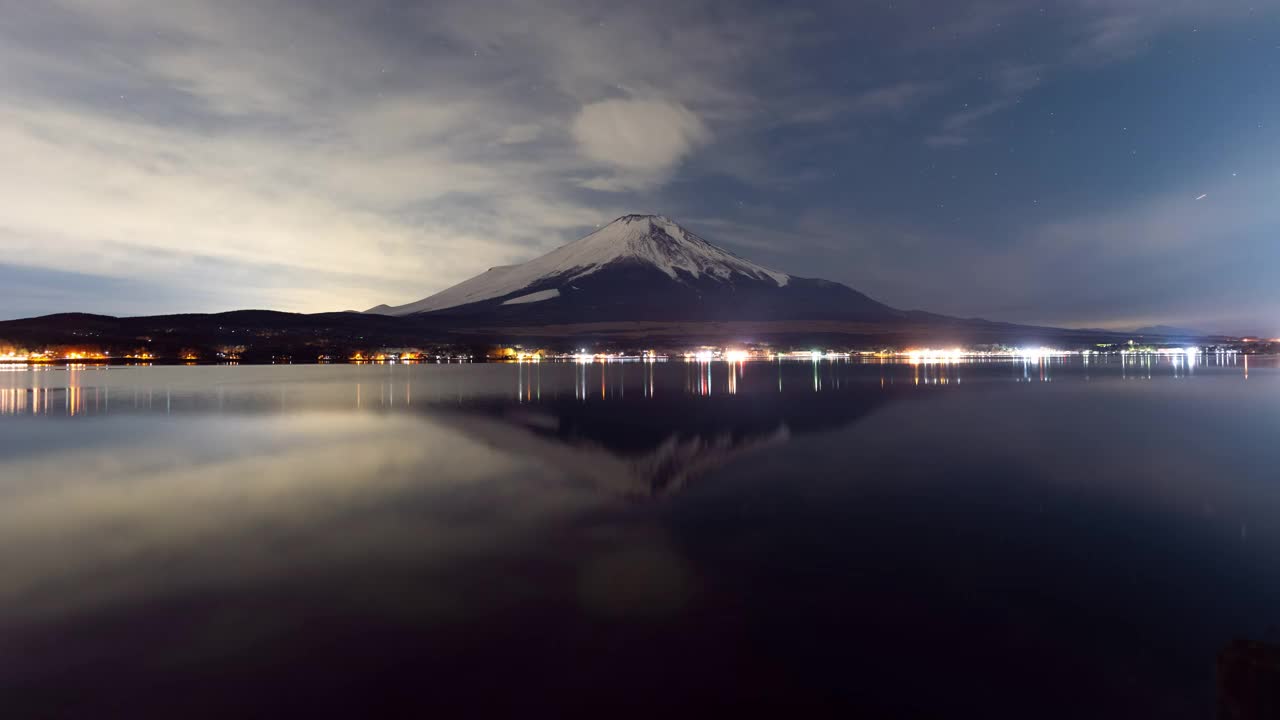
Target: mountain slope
642	267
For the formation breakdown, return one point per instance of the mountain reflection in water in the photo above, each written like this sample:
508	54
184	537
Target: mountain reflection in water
1010	539
652	447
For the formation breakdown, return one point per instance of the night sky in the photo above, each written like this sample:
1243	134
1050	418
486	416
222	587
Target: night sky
1083	163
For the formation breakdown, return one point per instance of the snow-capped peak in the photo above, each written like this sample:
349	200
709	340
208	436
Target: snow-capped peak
651	239
660	242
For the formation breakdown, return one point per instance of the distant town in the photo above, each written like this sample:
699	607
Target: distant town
55	355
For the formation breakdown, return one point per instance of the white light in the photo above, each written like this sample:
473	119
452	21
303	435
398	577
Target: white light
1037	353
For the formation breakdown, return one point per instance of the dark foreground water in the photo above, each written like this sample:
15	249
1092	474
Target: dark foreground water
990	540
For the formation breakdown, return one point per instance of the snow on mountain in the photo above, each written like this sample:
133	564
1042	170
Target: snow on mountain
653	240
533	297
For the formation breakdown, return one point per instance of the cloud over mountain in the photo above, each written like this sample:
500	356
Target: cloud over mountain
641	141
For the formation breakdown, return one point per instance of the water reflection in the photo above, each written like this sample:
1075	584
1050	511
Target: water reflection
643	447
80	390
181	541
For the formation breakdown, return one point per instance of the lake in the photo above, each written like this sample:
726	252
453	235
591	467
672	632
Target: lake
1009	538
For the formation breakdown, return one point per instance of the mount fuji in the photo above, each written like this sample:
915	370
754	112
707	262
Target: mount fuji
643	267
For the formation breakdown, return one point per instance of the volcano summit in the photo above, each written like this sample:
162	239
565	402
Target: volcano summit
644	267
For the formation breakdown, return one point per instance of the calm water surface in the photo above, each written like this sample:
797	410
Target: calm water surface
1003	539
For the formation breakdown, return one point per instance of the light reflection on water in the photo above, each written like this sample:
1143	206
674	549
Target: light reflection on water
1064	535
87	389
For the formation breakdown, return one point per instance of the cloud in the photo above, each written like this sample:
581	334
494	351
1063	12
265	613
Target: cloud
193	146
894	98
1163	258
641	141
1159	257
364	156
1094	33
519	134
1112	30
1009	82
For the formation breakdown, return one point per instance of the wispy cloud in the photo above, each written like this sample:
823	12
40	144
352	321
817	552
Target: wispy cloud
1005	84
1111	30
894	98
339	142
1097	33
